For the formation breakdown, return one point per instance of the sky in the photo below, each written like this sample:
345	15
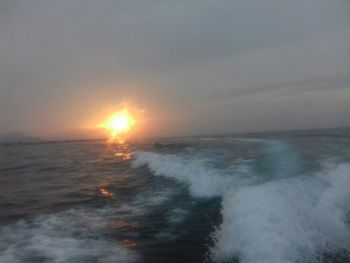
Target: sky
192	66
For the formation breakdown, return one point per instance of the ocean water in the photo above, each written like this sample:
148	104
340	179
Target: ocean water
266	199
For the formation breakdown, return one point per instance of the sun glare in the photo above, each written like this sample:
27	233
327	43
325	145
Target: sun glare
118	123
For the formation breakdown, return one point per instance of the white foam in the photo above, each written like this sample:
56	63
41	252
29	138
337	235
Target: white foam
72	236
203	181
288	220
285	220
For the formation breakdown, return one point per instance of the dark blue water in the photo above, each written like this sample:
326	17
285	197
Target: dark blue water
219	199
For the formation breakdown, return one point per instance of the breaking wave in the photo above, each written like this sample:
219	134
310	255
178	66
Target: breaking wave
71	236
202	180
282	219
288	220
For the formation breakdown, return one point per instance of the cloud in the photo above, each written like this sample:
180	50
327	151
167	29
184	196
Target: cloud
291	87
188	53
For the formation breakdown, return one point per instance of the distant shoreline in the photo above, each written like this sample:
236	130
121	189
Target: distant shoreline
341	132
51	142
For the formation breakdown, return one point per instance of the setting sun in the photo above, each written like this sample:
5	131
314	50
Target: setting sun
118	123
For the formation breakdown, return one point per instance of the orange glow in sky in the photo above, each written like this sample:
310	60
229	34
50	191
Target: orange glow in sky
118	123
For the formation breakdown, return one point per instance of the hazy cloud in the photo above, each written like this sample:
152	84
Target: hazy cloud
183	58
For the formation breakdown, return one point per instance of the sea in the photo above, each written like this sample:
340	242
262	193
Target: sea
281	197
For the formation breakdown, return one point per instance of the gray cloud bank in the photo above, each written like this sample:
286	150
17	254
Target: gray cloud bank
208	66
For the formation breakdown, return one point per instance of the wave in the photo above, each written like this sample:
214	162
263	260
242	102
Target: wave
202	180
284	220
71	236
277	160
288	220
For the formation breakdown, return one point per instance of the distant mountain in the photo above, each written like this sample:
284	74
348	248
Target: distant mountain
17	137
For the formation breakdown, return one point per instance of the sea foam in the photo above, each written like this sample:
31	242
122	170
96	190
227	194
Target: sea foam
202	180
288	219
71	236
